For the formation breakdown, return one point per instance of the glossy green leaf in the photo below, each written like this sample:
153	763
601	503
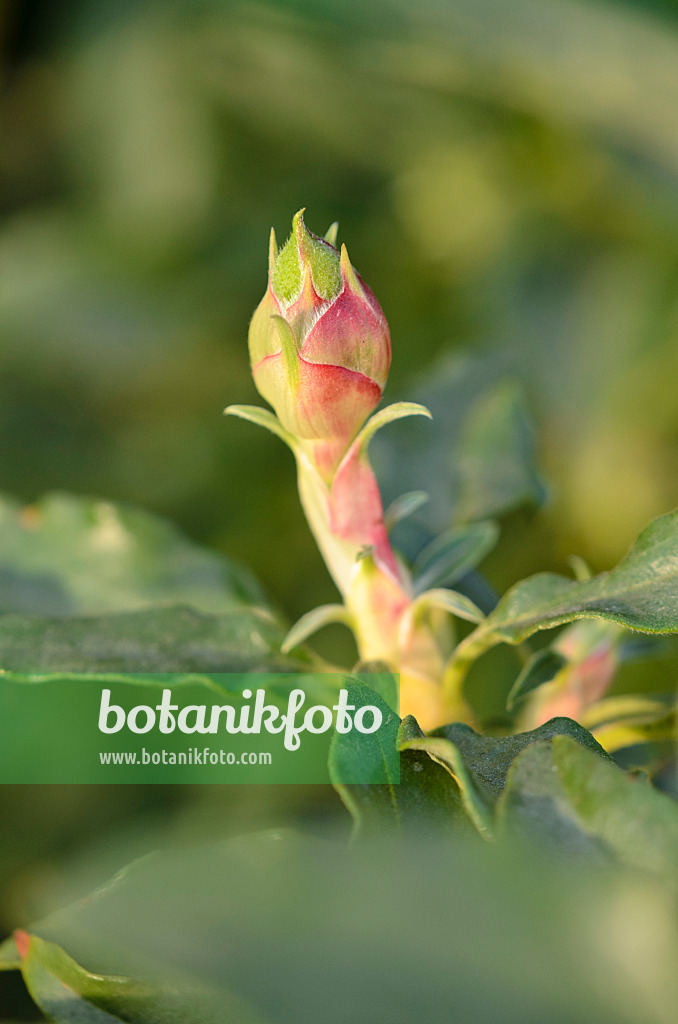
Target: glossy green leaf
171	639
68	994
565	792
69	555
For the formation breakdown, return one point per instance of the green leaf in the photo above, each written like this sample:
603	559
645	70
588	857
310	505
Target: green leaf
171	639
9	955
378	677
480	763
490	757
476	457
370	758
69	555
476	800
449	557
640	593
68	994
496	456
396	411
448	601
563	790
542	667
311	622
420	795
263	418
403	507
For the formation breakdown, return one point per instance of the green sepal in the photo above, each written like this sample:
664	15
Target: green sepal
289	350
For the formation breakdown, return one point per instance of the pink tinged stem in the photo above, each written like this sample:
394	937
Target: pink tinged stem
356	510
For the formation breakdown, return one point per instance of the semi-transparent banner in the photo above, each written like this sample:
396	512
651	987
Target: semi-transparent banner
217	728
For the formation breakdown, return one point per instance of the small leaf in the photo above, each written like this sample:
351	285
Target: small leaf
397	411
263	418
542	668
289	350
452	555
311	622
367	759
448	601
403	507
627	708
9	955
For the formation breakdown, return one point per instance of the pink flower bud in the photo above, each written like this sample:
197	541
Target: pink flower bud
319	344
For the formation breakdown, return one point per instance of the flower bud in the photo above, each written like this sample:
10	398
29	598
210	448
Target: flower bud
319	344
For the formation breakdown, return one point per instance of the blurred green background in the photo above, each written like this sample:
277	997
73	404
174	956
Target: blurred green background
505	174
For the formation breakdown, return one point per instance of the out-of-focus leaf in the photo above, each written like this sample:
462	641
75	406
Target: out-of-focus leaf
496	457
476	457
628	709
542	941
171	639
70	555
541	668
403	507
568	794
453	554
68	994
450	601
